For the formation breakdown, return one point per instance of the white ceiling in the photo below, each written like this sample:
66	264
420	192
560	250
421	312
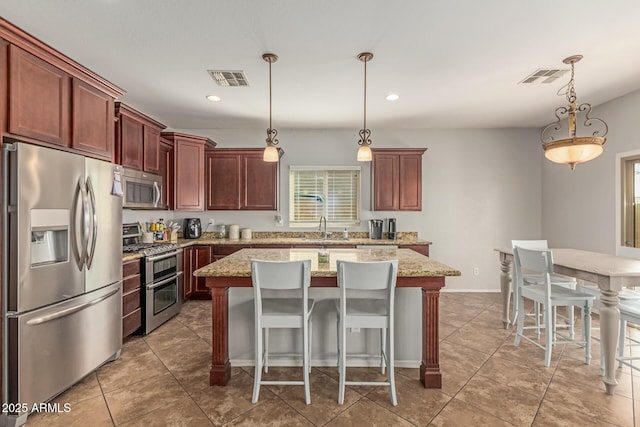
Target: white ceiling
454	63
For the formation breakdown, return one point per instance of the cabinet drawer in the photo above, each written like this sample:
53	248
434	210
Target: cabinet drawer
131	323
130	268
130	302
130	284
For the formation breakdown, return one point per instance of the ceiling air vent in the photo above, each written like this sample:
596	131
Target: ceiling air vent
544	75
229	78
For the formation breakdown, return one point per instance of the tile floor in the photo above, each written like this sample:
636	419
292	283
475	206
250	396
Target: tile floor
162	380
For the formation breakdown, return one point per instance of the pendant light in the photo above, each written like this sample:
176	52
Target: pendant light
364	152
271	153
575	149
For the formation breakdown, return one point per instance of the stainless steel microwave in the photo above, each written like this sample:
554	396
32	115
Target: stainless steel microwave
141	190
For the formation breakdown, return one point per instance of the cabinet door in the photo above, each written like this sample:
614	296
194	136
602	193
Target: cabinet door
259	183
132	137
187	275
151	149
410	183
166	172
189	176
223	181
93	116
385	182
39	98
202	257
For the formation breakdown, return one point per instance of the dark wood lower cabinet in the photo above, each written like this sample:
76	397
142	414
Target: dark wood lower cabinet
195	257
131	311
421	249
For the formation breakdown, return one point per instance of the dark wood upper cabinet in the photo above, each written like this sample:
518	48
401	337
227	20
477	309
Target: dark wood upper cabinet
223	180
137	140
260	182
92	120
166	172
188	170
238	179
151	149
39	102
51	100
396	177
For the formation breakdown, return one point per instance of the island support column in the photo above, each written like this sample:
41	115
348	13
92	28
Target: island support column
220	365
430	367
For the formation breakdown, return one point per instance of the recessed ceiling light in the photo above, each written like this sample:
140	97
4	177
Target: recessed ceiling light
392	97
213	98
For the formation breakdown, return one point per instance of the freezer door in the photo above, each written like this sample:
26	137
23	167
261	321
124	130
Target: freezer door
52	348
104	249
45	228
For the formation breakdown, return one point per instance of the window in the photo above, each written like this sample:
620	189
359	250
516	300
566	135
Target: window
631	201
332	192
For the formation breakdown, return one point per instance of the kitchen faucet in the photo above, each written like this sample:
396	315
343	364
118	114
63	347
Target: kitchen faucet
322	228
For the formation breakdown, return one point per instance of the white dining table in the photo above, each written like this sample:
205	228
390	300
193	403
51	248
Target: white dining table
610	272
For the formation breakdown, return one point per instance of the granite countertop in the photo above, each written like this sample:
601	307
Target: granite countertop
410	263
305	238
297	238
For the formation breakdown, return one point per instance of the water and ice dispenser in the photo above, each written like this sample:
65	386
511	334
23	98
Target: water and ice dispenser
49	236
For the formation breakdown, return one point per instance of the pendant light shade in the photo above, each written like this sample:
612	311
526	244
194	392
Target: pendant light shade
574	149
364	152
271	153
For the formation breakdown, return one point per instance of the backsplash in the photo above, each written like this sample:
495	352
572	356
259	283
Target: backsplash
256	220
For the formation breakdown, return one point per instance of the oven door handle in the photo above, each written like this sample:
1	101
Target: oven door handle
164	282
163	256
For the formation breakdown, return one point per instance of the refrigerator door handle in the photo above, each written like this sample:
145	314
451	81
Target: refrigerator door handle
70	310
79	253
94	218
156	189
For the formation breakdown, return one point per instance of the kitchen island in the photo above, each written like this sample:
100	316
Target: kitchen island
414	271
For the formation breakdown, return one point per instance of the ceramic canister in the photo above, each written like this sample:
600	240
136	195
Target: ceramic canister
245	234
234	232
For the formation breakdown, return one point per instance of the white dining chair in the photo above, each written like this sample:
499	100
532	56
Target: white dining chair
627	298
629	313
276	277
356	311
534	279
549	296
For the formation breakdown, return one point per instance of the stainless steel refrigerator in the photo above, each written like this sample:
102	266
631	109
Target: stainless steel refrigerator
61	272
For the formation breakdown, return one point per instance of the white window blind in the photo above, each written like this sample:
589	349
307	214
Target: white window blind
332	192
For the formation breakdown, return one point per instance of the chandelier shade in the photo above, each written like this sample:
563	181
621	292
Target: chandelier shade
574	149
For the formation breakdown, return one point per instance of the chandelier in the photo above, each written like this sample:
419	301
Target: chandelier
364	152
271	152
574	149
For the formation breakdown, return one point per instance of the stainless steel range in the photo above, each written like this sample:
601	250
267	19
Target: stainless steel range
161	291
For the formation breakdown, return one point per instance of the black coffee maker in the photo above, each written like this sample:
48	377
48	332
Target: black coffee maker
375	229
391	228
192	228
